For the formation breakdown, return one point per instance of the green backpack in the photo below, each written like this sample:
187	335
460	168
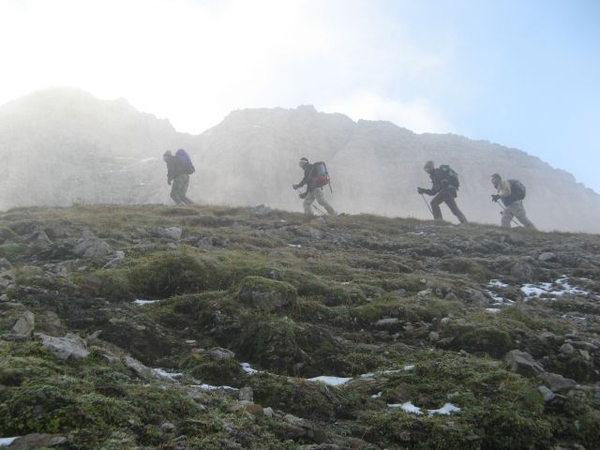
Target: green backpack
450	175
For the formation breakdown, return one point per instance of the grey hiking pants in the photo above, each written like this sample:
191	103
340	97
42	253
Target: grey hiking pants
316	194
517	210
179	188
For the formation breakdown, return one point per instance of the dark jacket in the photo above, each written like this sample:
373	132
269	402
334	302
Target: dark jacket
308	179
439	181
174	168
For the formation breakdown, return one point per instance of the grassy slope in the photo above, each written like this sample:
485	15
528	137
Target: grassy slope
400	299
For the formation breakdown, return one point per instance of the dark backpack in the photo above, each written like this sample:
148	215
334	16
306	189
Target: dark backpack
517	190
449	174
185	161
319	175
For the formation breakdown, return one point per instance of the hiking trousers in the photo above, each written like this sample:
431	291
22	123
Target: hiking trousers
446	196
516	209
316	194
179	188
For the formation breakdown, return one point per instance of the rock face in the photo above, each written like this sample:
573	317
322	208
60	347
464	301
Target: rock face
255	328
62	147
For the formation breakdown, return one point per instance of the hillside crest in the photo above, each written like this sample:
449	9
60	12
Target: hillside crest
63	146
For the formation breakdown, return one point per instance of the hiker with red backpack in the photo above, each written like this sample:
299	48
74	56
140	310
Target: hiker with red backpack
315	177
179	169
511	192
444	188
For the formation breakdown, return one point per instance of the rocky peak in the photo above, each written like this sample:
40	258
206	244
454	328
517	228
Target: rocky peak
68	147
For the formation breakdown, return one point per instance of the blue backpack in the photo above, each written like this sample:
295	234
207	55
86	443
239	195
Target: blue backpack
186	161
319	175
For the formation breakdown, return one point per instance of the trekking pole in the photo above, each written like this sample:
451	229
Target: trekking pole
513	220
320	210
322	213
427	203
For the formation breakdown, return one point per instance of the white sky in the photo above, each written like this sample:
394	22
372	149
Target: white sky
521	73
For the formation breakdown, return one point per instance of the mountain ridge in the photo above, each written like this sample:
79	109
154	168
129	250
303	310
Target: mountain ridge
112	154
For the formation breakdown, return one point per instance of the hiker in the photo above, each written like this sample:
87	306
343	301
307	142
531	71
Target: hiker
178	174
512	197
313	190
444	186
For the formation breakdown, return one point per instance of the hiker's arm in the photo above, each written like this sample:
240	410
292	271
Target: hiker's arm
303	182
169	173
437	187
504	189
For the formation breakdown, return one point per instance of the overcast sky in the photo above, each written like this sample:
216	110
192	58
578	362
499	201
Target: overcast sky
520	73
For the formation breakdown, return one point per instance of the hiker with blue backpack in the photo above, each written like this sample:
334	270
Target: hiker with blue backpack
511	193
444	187
315	177
179	169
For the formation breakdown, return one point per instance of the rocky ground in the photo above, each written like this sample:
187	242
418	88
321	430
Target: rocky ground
155	327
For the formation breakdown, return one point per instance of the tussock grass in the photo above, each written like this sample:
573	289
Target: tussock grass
397	305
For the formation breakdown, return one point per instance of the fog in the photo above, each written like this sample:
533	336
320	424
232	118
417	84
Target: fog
61	147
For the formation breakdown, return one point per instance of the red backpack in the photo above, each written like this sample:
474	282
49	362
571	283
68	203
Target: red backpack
319	176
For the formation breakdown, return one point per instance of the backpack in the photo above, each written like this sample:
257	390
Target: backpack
517	190
319	175
186	161
450	175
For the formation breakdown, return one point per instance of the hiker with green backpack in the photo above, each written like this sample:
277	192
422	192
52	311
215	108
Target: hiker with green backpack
179	169
511	193
315	177
444	188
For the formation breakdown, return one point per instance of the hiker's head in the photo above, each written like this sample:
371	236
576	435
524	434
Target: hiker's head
303	162
167	155
428	167
495	178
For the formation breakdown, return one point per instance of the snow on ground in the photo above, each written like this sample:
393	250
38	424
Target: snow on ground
145	302
557	288
447	409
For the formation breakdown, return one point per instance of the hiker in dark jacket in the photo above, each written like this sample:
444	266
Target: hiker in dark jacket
177	178
312	192
444	189
513	207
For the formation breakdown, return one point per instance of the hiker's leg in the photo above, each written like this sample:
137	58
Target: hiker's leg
179	188
187	201
320	196
454	208
175	193
507	216
435	206
185	183
519	212
307	204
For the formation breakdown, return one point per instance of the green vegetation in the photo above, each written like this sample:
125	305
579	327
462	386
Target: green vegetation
402	308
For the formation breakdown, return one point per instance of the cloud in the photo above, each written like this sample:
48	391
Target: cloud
195	61
418	115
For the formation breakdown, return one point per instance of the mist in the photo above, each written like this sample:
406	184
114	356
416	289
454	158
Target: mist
63	146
